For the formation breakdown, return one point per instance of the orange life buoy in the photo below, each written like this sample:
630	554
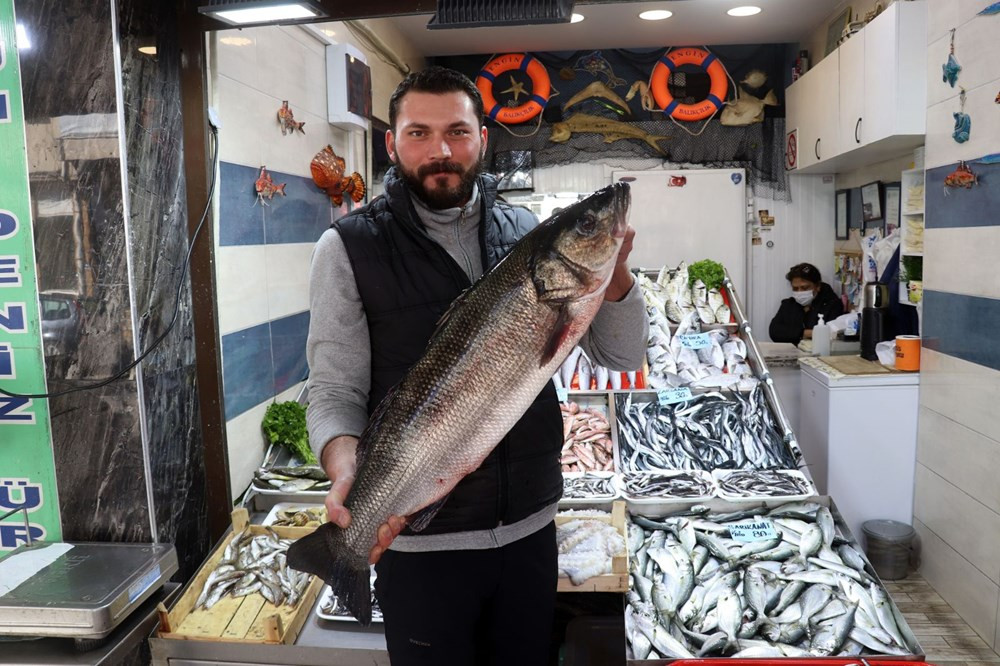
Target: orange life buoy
540	86
689	56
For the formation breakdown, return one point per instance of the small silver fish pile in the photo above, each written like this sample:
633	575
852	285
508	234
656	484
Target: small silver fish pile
586	547
685	484
589	486
586	440
672	295
332	606
300	517
721	364
763	483
710	431
590	376
697	593
254	564
292	479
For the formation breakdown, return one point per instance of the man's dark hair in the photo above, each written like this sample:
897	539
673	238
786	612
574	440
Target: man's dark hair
437	80
805	272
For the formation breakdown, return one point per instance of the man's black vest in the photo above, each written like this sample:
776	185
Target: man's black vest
406	282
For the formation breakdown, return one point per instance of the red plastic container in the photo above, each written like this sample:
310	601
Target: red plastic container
819	661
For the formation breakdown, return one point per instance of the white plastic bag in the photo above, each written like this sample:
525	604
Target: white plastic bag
886	352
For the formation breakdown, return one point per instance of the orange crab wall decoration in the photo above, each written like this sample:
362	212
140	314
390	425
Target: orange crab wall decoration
327	170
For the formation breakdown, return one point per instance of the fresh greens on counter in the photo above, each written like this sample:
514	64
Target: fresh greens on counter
285	424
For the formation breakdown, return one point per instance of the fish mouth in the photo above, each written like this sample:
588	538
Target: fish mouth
620	205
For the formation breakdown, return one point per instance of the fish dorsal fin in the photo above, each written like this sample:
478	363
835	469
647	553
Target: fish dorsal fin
374	423
560	331
419	520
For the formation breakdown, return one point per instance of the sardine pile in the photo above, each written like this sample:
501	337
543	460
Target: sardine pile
586	546
672	295
763	483
697	593
254	564
708	432
586	440
590	376
685	484
589	486
331	606
292	479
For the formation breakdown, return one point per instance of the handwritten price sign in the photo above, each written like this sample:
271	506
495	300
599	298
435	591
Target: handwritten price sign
695	340
670	396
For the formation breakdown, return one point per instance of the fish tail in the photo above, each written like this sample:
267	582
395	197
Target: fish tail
326	554
358	193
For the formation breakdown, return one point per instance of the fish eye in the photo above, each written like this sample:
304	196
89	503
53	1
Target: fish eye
587	225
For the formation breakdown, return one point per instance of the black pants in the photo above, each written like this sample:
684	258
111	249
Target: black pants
458	608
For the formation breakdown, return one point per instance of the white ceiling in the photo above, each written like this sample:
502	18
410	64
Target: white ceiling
617	25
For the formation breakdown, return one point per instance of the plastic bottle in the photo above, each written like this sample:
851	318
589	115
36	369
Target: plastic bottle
821	338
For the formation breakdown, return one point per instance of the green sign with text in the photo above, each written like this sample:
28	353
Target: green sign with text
27	467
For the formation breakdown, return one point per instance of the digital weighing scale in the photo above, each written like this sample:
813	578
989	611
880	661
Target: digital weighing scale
78	590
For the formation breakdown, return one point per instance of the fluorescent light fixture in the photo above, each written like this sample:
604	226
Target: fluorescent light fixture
243	12
21	36
148	50
748	10
236	41
656	14
576	18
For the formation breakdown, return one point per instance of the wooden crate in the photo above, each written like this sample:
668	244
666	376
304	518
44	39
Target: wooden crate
247	619
617	580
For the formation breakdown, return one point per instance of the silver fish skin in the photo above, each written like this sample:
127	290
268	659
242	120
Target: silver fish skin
661	639
812	540
851	557
861	636
825	521
885	616
716	641
516	325
730	613
788	596
830	637
813	601
754	591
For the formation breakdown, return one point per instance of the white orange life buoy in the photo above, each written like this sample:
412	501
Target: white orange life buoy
689	56
540	88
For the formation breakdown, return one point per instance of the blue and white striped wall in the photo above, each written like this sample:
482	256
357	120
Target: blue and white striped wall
263	251
957	496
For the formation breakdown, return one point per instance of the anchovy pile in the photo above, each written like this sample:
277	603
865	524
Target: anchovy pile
710	431
252	564
292	479
685	484
807	592
761	483
332	606
586	440
589	486
586	547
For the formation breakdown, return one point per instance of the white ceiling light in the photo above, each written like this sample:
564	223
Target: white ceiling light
148	50
576	18
21	36
748	10
656	14
264	11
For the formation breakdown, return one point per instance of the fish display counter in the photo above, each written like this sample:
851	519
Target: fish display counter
777	580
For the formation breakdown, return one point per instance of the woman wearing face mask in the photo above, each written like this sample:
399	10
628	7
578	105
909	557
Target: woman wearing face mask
811	297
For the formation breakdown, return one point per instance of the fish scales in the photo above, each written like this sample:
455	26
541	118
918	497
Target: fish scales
535	303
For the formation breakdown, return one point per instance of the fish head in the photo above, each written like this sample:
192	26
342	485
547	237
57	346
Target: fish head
575	250
560	132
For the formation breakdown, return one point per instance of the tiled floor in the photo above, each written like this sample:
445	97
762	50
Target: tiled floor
945	637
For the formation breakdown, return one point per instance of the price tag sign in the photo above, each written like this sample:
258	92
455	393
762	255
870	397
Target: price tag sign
752	530
670	396
562	394
695	340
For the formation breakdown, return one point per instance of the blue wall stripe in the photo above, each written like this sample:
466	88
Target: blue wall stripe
301	216
247	371
949	207
288	342
262	361
962	326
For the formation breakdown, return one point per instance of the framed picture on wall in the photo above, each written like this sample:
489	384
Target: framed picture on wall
871	202
892	194
842	213
835	30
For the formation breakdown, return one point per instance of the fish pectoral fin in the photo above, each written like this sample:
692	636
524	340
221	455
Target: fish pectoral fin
419	520
560	331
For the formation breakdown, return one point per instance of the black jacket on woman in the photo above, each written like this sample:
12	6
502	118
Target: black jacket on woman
792	319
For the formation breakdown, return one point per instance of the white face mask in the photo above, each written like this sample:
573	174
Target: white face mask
803	298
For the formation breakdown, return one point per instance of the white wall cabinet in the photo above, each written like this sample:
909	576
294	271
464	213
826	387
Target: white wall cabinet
873	94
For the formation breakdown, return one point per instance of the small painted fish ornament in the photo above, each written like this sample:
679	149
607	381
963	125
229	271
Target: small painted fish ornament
962	176
287	120
265	187
950	70
992	9
963	127
328	172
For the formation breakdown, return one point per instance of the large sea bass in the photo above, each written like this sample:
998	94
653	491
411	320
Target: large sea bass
491	355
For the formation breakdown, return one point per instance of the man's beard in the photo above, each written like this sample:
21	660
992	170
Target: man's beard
439	197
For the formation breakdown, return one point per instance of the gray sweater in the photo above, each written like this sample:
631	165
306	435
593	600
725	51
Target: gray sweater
339	353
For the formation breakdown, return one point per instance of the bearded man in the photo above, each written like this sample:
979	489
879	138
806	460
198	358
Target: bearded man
478	584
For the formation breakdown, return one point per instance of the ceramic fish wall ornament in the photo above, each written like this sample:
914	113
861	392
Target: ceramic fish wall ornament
327	170
287	120
746	109
950	70
992	9
962	176
596	90
612	130
646	97
963	123
266	188
754	79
